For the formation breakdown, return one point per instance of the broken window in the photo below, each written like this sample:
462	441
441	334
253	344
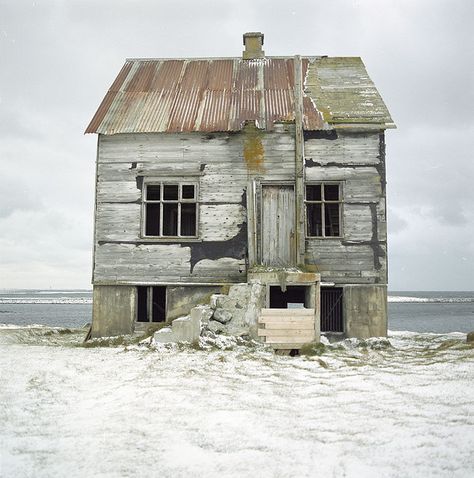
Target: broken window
323	209
170	209
151	304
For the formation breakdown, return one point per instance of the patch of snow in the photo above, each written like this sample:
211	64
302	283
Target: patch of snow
230	407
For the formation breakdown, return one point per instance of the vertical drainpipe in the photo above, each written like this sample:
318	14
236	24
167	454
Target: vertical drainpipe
299	163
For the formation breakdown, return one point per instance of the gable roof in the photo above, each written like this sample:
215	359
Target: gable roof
210	95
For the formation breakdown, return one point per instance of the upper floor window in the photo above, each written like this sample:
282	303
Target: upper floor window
323	209
170	209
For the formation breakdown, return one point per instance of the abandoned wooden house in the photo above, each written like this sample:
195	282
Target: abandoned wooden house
218	171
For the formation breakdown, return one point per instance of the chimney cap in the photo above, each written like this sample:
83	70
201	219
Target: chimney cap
252	35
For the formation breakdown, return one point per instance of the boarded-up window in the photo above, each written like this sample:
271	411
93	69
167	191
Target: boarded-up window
323	209
170	209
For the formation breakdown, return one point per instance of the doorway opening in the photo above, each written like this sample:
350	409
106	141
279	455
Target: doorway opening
295	297
151	304
331	309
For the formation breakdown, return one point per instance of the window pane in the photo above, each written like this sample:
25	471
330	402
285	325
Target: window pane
152	220
142	304
314	219
170	192
188	191
331	218
313	192
170	219
158	311
153	192
188	219
331	192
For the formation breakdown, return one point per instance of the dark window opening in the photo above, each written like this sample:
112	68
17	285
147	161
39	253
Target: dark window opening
331	309
188	191
151	304
142	304
331	192
295	296
313	192
188	219
170	219
152	226
153	192
323	210
331	219
171	210
170	192
158	308
314	220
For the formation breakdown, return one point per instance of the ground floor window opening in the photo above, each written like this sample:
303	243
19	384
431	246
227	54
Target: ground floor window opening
151	304
295	297
331	309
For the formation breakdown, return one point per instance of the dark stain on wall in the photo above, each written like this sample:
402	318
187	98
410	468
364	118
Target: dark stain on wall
375	243
381	166
235	248
330	134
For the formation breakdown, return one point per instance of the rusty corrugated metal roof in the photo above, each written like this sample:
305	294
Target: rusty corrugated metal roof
211	94
151	96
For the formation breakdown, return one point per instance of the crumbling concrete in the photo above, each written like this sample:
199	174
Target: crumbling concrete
237	313
184	329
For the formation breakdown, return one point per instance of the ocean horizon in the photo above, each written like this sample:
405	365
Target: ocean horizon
416	311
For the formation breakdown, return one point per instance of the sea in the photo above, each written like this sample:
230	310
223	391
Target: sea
415	311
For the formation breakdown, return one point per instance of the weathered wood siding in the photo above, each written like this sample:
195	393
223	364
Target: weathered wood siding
223	164
358	161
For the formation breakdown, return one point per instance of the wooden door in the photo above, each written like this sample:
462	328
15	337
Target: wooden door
278	225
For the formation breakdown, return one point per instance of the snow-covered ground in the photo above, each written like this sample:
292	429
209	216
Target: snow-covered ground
352	410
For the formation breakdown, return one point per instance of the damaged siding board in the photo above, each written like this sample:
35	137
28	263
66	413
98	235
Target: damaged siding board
221	222
337	262
347	149
117	192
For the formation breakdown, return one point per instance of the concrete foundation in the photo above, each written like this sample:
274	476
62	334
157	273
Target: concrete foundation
113	310
365	311
181	299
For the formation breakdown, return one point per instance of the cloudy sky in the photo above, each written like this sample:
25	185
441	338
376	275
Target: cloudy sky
58	58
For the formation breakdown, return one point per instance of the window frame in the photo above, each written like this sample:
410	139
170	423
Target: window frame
322	202
169	181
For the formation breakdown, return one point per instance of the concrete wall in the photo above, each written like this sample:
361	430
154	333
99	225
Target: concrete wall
180	300
113	310
365	311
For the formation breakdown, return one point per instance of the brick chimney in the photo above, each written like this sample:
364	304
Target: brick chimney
253	42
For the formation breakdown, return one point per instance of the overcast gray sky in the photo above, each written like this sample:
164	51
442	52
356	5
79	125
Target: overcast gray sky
58	58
